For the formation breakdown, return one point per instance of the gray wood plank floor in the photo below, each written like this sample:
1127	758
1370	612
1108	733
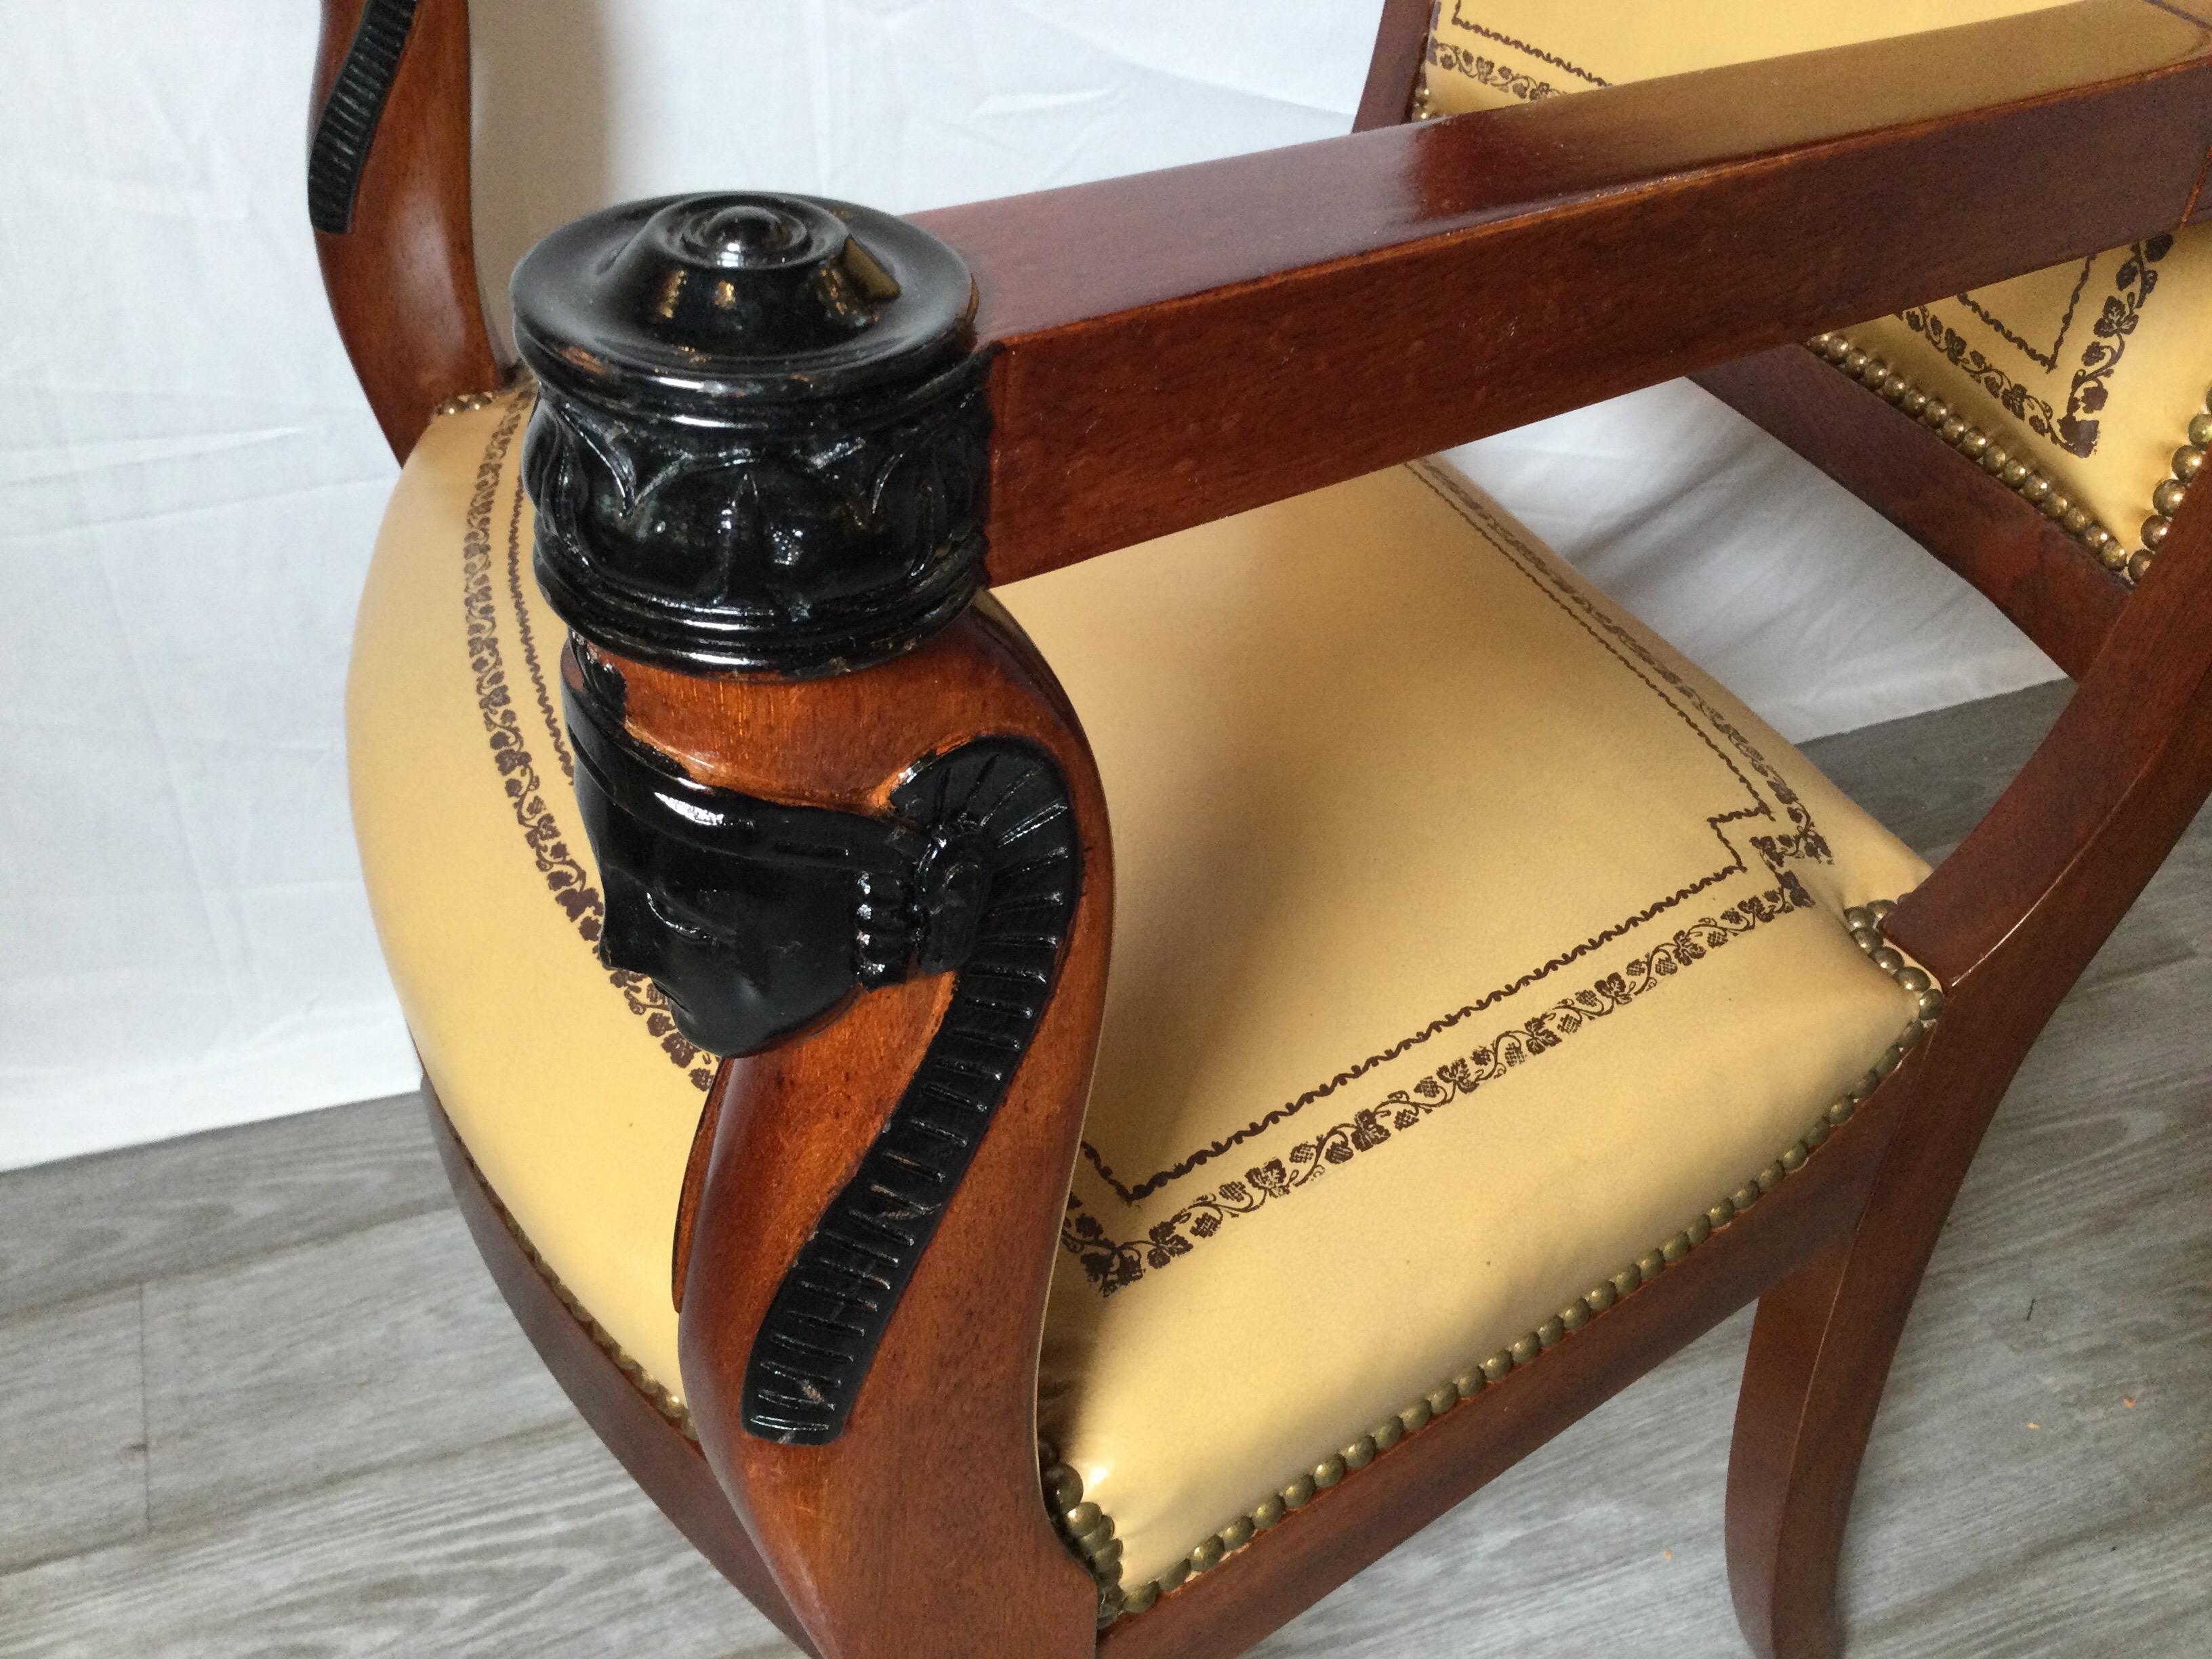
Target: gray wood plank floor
258	1397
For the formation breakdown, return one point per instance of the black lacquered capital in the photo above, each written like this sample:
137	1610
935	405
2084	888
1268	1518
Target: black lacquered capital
760	436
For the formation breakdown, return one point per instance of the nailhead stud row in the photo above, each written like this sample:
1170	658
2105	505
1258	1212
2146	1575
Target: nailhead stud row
1090	1530
1977	445
466	402
2165	500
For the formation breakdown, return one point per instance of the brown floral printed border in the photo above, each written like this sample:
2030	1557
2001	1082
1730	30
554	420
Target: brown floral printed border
1489	72
540	688
565	875
1804	841
2076	430
1524	47
2048	360
1112	1264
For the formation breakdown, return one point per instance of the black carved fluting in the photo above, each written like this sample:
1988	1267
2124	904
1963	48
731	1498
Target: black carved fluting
757	918
346	126
761	437
998	811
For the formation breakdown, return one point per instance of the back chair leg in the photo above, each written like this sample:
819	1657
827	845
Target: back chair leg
1822	1343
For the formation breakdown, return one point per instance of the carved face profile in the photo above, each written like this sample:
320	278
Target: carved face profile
747	950
751	916
758	919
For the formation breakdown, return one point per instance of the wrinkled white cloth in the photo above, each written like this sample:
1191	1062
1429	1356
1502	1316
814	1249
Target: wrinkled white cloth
190	482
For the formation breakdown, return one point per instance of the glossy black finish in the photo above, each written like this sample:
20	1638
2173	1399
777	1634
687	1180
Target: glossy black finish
755	919
999	878
346	126
760	439
758	919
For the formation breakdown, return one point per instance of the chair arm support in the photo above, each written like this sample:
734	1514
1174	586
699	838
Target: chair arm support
1180	345
388	196
921	1526
2054	864
847	822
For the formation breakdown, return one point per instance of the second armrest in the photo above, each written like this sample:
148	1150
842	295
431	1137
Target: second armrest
1176	346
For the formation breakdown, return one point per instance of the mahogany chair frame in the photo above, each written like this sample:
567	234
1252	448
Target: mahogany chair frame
1299	318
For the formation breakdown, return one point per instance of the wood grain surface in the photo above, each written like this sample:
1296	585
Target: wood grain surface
1179	345
941	1441
402	280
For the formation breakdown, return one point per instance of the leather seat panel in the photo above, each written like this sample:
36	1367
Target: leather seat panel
1469	943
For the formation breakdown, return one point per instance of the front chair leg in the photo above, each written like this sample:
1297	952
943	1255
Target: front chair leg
847	822
1823	1339
1794	1462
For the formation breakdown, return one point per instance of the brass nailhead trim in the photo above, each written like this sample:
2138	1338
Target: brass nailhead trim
466	402
519	379
2165	500
2037	488
1064	1487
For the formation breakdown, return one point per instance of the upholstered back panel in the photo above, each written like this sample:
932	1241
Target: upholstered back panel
2078	385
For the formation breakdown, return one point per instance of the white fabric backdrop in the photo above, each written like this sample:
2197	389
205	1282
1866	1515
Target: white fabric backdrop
189	482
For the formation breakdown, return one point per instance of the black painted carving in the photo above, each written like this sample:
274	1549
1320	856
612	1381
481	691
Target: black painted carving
999	808
758	919
761	437
755	919
346	126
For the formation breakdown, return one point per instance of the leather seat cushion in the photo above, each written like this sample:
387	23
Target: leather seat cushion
2086	374
1469	945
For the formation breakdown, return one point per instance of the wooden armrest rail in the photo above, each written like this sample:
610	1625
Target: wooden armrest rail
1180	345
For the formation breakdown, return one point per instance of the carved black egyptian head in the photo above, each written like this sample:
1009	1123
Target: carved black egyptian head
758	919
761	446
755	918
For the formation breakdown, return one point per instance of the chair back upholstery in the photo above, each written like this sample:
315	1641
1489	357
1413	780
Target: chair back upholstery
2082	385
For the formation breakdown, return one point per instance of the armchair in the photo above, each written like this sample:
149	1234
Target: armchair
983	1231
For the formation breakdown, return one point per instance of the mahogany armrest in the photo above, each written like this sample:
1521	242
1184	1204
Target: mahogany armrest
1180	345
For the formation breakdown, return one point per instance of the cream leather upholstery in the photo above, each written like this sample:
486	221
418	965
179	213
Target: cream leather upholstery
568	1085
1438	878
2086	375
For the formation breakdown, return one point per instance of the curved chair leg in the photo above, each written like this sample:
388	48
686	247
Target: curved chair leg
1820	1351
1795	1461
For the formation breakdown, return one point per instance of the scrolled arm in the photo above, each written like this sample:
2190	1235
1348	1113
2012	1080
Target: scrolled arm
388	197
846	821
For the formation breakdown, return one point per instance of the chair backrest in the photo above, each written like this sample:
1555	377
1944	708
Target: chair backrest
2010	429
2076	384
